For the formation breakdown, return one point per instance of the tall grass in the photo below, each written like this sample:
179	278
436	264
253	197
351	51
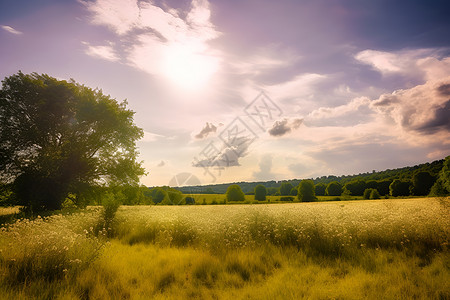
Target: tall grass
380	249
48	248
331	229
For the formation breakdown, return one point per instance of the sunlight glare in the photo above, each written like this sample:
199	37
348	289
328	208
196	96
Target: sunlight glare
188	68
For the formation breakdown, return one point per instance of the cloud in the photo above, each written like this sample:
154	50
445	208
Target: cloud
354	112
424	63
209	128
284	126
424	108
150	137
11	30
228	156
161	164
265	169
105	52
166	42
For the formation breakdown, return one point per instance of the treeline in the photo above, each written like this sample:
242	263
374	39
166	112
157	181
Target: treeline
416	180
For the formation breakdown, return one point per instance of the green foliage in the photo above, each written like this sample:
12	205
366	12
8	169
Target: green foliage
158	195
260	192
56	137
367	193
374	194
442	185
422	183
294	192
306	191
399	188
111	202
383	186
356	187
189	200
286	198
271	191
285	188
234	193
334	188
320	189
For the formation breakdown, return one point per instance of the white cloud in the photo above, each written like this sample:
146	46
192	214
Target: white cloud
119	15
424	108
11	30
159	41
106	52
419	62
150	137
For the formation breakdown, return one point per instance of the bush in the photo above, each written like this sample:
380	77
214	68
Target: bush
334	188
189	200
287	198
306	191
399	188
285	188
367	193
374	194
320	189
235	193
260	192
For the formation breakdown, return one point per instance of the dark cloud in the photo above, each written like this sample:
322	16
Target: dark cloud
228	156
284	126
209	127
441	120
444	90
161	164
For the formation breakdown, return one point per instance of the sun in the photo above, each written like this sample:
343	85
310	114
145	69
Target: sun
187	67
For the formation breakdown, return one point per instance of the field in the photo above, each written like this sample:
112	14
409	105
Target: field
379	249
250	199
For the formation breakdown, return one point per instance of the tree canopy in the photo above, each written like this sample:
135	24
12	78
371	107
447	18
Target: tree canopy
306	191
285	188
59	137
260	192
235	193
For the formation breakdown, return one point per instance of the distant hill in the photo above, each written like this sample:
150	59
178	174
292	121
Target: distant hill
405	173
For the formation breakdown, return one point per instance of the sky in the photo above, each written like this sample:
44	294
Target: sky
230	91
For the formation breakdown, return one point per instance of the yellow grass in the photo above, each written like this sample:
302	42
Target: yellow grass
383	249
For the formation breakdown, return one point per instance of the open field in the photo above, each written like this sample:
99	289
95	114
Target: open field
250	199
378	249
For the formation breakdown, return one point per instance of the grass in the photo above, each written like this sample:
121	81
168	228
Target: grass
382	249
250	199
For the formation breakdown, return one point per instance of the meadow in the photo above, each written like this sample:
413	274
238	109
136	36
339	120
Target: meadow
371	249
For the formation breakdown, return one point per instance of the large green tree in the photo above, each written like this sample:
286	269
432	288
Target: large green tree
285	188
442	185
422	183
306	191
260	192
235	193
59	137
334	188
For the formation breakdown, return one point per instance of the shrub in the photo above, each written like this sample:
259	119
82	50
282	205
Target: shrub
189	200
260	192
320	189
374	194
286	198
234	193
367	193
399	188
285	188
334	188
306	191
